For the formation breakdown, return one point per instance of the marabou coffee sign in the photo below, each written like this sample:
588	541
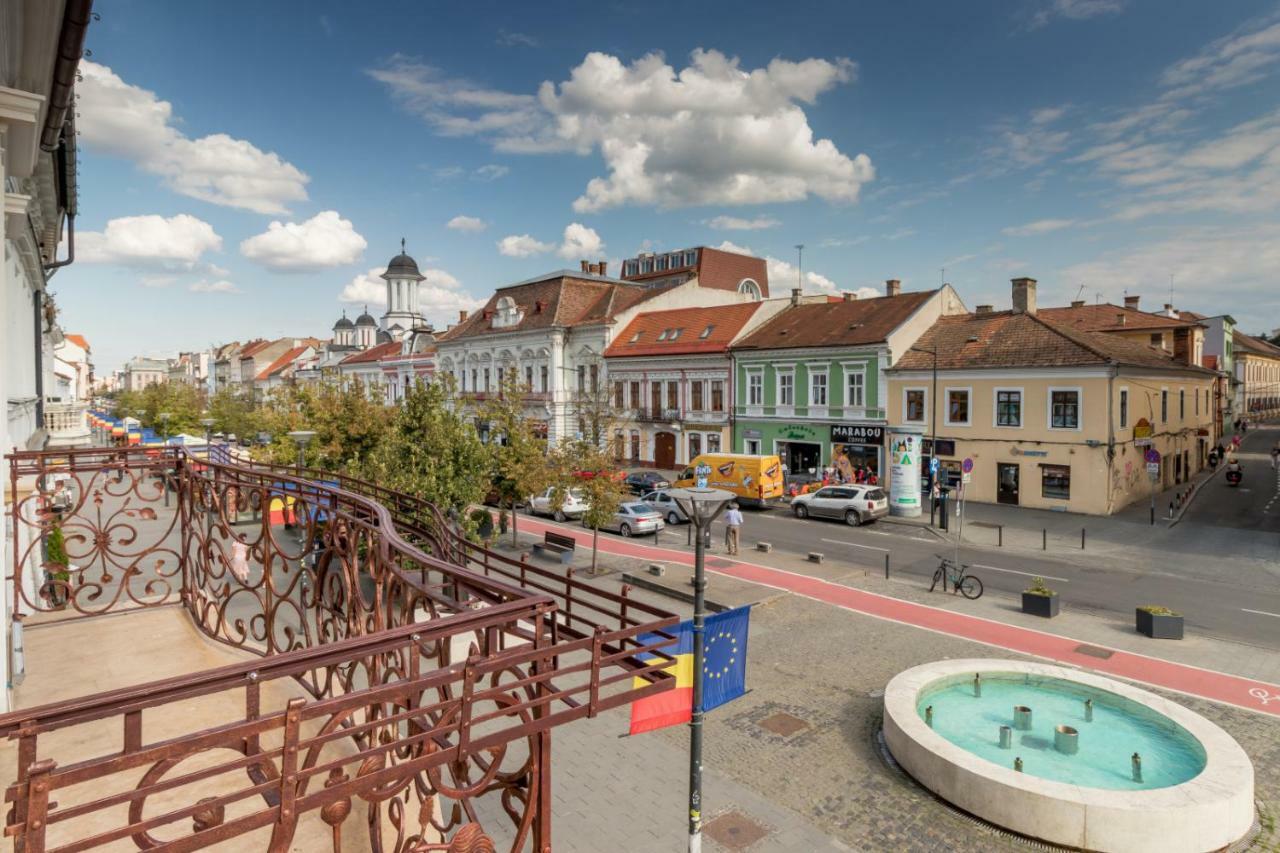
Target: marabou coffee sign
857	434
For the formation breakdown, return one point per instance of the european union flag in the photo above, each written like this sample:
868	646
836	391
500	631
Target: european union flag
724	657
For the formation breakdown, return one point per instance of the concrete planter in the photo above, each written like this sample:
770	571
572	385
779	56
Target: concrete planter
1158	626
1046	606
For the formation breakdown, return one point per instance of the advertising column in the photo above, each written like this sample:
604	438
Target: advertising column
905	444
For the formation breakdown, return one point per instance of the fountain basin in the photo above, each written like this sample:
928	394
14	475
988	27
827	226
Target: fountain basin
1196	793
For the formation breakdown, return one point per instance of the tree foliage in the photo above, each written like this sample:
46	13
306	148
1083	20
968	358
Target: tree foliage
184	404
519	463
595	476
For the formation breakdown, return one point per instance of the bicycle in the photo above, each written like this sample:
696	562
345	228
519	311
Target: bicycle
970	586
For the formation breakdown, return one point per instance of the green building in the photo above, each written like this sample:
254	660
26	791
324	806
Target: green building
809	384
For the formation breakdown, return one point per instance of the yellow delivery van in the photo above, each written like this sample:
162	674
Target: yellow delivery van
754	479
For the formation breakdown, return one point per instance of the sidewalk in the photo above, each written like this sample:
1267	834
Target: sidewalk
1252	679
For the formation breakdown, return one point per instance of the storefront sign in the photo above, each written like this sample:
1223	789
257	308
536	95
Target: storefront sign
904	473
1142	433
752	433
857	434
799	433
1018	451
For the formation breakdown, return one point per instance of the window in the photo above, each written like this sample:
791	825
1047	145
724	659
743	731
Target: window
855	388
673	394
617	396
675	333
713	442
706	333
662	336
817	389
595	378
502	375
1009	407
913	405
636	337
1124	408
1164	406
695	445
582	378
655	398
487	386
1157	339
958	406
1055	481
1064	409
690	257
542	378
635	444
695	396
635	395
755	389
751	446
475	379
1182	405
786	389
717	395
528	377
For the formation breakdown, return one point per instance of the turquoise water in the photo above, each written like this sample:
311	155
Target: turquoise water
1120	727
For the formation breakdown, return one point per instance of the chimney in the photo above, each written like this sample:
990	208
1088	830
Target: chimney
1024	295
462	316
1131	302
586	266
985	309
1168	310
603	266
892	287
1077	303
1183	352
795	295
849	296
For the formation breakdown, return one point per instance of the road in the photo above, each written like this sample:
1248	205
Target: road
1255	503
1213	607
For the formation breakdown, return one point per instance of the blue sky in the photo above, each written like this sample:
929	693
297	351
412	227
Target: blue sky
246	167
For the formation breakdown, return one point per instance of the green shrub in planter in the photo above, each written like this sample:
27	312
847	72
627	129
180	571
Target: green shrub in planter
1039	600
57	564
483	523
1158	623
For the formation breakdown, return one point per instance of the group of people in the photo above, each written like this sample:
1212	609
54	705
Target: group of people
861	474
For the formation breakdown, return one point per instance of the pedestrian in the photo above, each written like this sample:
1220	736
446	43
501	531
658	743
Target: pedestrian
240	560
732	528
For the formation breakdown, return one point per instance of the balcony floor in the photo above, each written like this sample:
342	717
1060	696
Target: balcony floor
80	657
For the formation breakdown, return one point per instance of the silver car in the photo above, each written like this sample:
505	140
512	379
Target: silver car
853	503
633	519
662	503
573	505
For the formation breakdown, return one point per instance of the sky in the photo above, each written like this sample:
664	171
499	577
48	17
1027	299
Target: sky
247	169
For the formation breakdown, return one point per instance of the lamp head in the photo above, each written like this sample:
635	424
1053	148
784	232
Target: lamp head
702	505
302	437
207	423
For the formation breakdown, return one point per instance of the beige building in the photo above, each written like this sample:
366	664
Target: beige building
1257	369
1053	416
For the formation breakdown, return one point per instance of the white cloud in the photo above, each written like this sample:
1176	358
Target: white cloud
522	246
440	296
507	38
1040	226
222	286
157	281
492	172
1075	10
469	224
1235	60
324	240
736	223
174	242
900	234
580	242
710	133
123	120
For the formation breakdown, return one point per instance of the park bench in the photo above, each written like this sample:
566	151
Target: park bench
556	545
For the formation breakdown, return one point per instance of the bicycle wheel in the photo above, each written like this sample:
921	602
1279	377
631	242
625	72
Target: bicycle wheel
970	587
937	575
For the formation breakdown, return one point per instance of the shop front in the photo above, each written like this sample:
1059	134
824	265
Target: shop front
809	448
858	449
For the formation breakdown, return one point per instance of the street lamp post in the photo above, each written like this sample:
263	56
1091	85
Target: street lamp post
933	427
207	423
164	426
301	437
702	505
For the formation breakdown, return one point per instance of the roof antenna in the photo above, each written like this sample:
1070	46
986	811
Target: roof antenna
800	265
1078	292
402	245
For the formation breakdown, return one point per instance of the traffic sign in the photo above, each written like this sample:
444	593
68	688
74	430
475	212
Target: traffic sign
1153	469
966	477
933	466
1152	456
967	465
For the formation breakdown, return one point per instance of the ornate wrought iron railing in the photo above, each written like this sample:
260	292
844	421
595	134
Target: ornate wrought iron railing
431	668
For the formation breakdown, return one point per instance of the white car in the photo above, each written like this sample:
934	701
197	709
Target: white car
573	505
854	503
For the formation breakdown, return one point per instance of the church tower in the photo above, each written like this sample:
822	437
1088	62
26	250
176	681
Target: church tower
402	278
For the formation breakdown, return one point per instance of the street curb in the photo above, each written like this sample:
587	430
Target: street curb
670	592
1195	491
915	525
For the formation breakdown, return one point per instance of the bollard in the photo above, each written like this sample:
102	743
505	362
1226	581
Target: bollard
886	566
1136	762
657	569
816	557
1081	538
1006	737
1088	710
1044	539
764	547
999	535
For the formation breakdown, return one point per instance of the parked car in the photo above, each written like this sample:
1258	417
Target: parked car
634	518
853	503
573	506
641	482
662	503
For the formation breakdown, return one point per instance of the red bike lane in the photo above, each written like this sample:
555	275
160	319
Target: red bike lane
1246	693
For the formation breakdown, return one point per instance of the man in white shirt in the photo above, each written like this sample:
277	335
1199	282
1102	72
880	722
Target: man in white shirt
733	525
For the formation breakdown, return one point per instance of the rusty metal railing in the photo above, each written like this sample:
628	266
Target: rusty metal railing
415	684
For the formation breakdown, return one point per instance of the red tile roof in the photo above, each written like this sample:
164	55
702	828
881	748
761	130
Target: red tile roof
253	346
372	354
283	361
828	324
1241	341
1015	339
1107	318
699	330
78	340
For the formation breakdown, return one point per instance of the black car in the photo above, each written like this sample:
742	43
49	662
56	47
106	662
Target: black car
642	482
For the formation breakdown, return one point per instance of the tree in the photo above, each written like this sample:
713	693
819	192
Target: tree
182	402
348	422
602	489
520	464
431	450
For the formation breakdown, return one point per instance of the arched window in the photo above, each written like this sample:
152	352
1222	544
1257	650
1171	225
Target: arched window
750	288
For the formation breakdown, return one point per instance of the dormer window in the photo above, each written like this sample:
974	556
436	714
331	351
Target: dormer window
506	313
675	333
662	336
706	333
636	337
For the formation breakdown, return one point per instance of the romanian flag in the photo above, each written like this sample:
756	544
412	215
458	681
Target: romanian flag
724	671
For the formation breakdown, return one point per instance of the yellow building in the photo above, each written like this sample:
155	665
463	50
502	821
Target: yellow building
1052	416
